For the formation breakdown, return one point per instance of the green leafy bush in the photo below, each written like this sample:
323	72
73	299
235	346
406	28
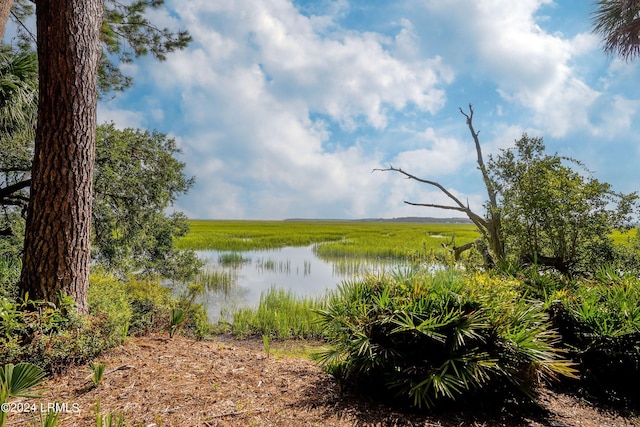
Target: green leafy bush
150	304
54	336
196	323
109	300
600	324
429	340
51	336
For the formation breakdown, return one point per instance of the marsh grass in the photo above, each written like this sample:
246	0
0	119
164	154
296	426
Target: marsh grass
232	259
270	265
627	238
390	240
216	281
348	267
307	267
280	315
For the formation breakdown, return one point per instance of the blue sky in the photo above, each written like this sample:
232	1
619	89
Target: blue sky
283	108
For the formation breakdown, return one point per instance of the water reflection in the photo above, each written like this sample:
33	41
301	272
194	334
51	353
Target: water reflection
245	275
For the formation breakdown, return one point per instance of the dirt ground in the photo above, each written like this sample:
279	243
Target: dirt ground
157	381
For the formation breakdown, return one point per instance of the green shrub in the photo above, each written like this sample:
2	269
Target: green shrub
196	324
600	324
55	336
52	336
435	339
150	304
108	299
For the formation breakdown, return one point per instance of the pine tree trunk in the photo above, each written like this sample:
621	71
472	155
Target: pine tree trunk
57	238
5	10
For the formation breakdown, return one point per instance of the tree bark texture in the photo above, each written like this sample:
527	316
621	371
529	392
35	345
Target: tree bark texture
5	10
57	238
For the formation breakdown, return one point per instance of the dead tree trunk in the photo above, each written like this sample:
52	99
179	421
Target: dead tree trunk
489	225
493	229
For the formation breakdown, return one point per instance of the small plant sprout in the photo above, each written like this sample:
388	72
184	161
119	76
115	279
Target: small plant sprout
97	373
177	317
50	420
267	344
112	419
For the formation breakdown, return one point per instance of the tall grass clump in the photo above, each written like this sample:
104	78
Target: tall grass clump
269	265
280	315
429	340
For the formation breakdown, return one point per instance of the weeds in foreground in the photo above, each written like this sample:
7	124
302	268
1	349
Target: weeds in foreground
97	373
112	419
50	420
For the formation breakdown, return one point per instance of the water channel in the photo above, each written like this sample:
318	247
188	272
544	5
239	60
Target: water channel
296	269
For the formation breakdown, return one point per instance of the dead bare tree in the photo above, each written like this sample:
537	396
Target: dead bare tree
489	224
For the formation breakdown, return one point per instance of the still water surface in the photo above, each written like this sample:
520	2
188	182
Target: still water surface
296	269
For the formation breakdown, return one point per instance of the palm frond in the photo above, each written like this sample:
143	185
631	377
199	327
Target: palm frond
618	23
21	380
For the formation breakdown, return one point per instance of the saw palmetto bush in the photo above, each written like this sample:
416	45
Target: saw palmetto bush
19	380
429	340
600	324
